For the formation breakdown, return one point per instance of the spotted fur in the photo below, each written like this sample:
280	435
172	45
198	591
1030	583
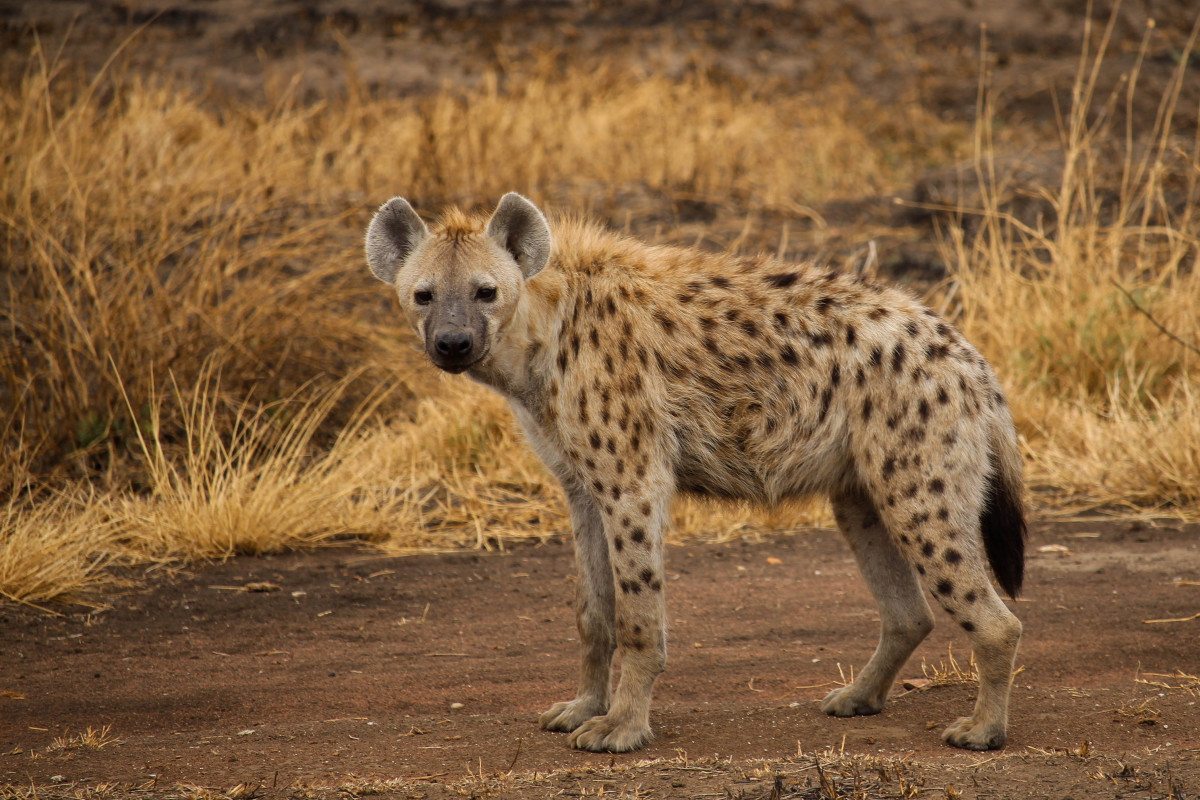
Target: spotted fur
638	372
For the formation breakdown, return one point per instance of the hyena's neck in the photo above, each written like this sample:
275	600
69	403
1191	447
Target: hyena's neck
524	347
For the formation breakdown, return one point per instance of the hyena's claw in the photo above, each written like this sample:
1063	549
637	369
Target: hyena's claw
847	702
611	734
968	734
568	716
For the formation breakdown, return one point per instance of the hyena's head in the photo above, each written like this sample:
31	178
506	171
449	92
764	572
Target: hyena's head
459	284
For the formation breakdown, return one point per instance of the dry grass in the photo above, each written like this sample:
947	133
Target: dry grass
1088	311
196	363
90	739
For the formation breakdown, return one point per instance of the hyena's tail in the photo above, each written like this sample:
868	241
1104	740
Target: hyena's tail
1003	517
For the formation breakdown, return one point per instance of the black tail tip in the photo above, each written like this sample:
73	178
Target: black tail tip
1004	533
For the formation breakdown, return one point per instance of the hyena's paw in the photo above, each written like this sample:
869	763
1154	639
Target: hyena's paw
611	734
570	715
850	701
972	735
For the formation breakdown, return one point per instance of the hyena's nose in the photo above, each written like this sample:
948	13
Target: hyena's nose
454	344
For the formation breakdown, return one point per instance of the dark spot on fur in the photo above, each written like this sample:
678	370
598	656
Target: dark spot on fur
707	323
720	282
611	446
824	304
876	356
878	313
866	411
647	576
826	397
943	514
937	486
934	352
788	355
594	440
835	375
969	627
666	322
638	535
860	377
923	410
919	519
920	569
889	467
942	397
616	492
945	587
969	596
911	327
750	329
822	339
927	550
851	335
953	556
782	320
897	357
618	543
781	280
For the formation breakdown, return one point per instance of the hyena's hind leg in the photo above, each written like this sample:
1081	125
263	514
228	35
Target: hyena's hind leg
904	614
948	551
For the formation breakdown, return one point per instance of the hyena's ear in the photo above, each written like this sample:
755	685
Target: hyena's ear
520	228
392	235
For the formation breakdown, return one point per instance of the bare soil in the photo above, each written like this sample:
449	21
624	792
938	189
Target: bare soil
349	669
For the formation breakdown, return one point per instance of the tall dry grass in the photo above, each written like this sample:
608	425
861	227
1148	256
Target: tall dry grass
1089	310
195	362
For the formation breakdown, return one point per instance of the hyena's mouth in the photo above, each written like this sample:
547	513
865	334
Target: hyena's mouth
456	365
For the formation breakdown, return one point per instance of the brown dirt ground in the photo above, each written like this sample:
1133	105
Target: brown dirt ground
350	671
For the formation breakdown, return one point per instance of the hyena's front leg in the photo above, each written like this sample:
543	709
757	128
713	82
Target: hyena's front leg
633	521
594	615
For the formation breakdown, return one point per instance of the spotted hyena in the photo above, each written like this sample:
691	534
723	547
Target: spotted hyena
641	371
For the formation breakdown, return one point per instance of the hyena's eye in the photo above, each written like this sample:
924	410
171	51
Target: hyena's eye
485	293
422	297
